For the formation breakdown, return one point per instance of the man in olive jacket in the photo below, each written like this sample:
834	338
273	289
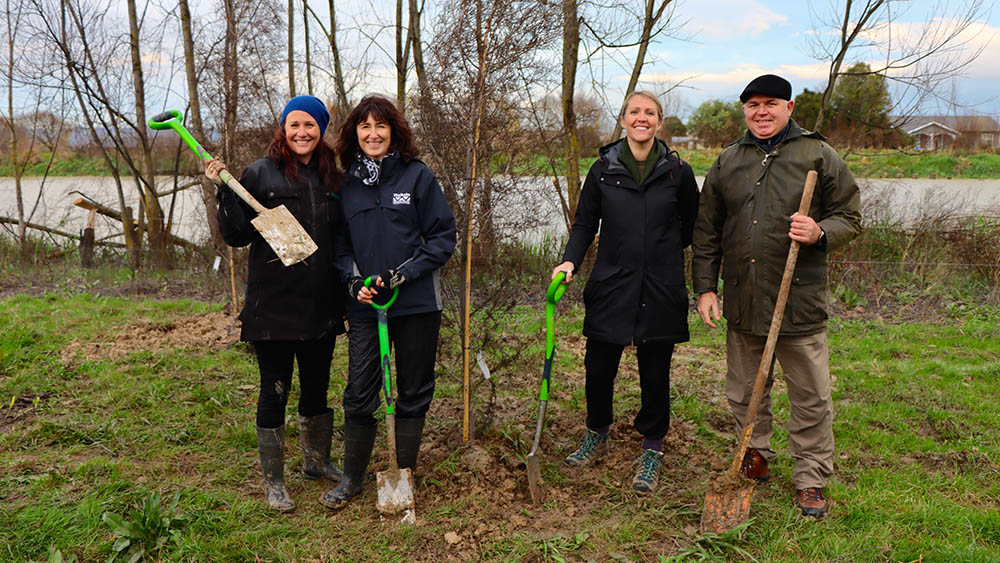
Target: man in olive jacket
746	221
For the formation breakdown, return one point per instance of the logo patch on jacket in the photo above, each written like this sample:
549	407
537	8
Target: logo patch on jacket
402	198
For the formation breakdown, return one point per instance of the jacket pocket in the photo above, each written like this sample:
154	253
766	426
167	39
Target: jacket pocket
731	299
807	299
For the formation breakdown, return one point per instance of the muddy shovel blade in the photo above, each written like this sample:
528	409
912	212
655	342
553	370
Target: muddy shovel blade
284	235
395	494
727	504
536	487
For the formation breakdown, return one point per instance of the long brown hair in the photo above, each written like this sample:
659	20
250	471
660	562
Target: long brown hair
278	150
383	110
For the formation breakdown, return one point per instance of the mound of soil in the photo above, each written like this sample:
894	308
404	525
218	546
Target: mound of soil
210	330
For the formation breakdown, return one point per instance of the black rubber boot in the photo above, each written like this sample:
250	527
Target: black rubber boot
314	434
358	443
271	447
409	431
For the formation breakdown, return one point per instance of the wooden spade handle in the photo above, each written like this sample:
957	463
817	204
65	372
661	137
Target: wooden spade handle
772	334
234	185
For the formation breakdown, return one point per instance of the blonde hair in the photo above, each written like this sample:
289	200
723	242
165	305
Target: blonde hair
645	94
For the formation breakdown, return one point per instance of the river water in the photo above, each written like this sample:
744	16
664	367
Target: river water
51	204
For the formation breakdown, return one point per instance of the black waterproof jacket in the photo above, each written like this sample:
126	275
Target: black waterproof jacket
402	222
299	302
636	293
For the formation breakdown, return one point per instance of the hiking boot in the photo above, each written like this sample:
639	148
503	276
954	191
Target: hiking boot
755	467
271	447
594	447
358	443
315	433
647	475
409	432
812	502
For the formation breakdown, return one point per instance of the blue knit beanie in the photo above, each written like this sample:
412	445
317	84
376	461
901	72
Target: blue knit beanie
311	105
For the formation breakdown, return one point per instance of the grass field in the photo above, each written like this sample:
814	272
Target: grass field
107	400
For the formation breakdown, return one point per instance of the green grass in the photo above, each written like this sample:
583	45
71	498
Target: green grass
916	475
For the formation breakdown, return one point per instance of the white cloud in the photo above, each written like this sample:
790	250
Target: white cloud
727	19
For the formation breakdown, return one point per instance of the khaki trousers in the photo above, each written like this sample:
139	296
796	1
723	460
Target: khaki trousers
805	362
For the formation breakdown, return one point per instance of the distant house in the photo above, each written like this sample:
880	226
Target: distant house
932	132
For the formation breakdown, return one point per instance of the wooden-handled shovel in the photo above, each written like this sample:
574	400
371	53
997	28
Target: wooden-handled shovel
278	226
727	498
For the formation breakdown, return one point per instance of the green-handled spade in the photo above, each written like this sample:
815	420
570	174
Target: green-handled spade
395	486
535	485
278	226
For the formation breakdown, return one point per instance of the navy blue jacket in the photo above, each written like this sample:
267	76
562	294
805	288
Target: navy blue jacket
303	301
404	223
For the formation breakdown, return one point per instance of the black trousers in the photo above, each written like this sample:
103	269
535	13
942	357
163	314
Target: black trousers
414	340
275	358
601	363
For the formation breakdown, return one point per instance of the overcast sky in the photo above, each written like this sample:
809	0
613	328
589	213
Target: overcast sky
735	40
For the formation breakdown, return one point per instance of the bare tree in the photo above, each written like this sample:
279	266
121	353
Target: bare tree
12	19
195	120
653	24
305	34
291	48
571	142
154	213
920	61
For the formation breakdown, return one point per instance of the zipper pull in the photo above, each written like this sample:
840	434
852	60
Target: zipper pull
764	162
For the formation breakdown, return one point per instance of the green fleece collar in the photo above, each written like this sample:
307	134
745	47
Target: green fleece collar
632	165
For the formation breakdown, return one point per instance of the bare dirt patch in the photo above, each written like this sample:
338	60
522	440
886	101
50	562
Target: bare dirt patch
213	331
20	409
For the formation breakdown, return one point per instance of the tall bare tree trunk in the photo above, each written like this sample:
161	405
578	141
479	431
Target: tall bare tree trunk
400	60
18	170
154	213
231	82
194	115
291	48
418	49
305	31
338	73
649	22
571	142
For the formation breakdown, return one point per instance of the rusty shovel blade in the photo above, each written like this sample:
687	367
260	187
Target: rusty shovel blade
284	235
395	494
727	503
536	487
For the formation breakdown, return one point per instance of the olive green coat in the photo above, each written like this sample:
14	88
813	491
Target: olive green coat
743	220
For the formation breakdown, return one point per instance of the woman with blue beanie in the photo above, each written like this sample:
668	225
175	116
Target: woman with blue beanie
292	313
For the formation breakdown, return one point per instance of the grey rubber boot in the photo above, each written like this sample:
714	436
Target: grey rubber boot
271	447
315	433
358	443
409	431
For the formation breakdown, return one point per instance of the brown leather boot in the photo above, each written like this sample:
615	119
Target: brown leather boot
755	466
812	502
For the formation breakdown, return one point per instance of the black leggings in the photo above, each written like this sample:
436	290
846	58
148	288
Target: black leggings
275	358
601	363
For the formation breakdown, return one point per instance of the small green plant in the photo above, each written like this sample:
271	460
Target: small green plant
849	297
554	548
56	556
715	547
147	530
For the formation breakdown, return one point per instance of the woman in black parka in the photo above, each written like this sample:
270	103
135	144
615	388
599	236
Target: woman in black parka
644	199
291	312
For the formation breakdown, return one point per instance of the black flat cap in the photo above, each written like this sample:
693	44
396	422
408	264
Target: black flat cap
768	85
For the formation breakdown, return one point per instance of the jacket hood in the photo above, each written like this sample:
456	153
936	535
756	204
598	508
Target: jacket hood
611	153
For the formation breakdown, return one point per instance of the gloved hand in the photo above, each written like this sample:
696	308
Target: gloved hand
391	279
354	286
